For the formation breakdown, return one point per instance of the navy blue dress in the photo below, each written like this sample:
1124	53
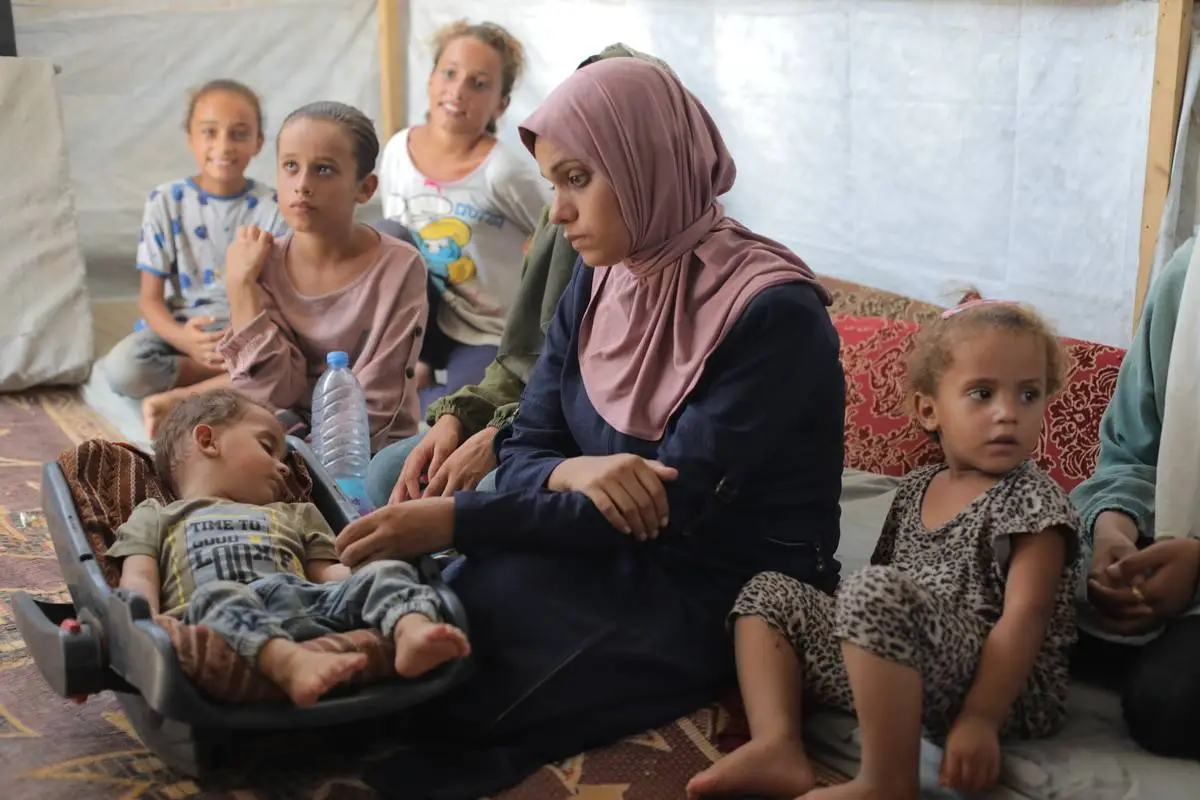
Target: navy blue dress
582	634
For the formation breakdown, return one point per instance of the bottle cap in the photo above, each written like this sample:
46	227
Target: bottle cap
337	359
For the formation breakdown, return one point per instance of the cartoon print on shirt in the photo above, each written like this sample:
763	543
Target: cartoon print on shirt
442	243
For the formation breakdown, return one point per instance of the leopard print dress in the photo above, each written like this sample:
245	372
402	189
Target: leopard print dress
929	601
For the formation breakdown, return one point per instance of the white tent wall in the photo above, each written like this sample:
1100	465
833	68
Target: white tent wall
127	68
915	145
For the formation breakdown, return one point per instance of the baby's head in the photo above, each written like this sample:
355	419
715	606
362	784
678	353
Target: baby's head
221	443
475	67
327	152
980	378
224	125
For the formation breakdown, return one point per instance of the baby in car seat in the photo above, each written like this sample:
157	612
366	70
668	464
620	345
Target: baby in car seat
261	573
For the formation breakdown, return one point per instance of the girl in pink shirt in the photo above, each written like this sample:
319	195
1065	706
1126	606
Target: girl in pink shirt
332	284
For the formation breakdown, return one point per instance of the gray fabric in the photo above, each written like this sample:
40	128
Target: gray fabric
144	363
287	606
45	316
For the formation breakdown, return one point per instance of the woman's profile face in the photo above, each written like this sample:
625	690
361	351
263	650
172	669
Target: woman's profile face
585	205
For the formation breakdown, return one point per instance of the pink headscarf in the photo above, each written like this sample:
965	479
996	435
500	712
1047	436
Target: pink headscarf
654	319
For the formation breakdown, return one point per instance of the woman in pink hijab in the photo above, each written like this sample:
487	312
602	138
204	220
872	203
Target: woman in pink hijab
681	432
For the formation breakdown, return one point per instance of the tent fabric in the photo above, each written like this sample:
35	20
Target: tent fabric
918	146
128	67
45	317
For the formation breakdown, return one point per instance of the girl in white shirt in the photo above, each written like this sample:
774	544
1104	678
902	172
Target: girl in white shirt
469	203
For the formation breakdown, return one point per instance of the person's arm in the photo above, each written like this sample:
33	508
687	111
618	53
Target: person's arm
275	224
540	439
1126	470
259	348
731	424
137	546
152	305
139	574
325	571
383	373
1034	574
520	191
321	563
476	406
156	259
395	165
505	415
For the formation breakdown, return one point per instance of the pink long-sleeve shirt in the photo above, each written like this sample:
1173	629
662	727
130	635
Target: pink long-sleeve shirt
378	319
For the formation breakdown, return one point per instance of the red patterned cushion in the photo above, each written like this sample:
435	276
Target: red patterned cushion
1071	439
882	437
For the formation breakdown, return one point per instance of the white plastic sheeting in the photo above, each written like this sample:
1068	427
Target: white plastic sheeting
915	145
127	69
45	319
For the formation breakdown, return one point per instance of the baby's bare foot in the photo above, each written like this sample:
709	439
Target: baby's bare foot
305	675
772	767
422	644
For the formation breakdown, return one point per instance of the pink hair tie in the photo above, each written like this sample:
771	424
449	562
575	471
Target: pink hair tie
950	312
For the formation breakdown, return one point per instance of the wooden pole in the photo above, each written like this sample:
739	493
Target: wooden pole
1172	43
393	24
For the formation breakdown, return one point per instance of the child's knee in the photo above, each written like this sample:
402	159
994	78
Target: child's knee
774	598
875	587
133	370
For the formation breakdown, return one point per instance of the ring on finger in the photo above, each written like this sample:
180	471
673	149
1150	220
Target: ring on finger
1137	592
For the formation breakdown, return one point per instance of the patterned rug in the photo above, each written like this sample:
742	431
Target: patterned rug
51	748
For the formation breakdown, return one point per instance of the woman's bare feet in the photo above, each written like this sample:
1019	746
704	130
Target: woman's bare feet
422	644
772	767
155	409
862	789
305	675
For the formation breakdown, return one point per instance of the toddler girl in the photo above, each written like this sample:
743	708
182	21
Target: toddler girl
964	620
332	285
470	203
186	228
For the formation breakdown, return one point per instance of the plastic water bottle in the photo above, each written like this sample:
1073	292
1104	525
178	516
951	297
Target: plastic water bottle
341	432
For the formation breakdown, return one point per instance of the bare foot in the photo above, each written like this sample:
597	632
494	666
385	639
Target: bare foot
773	767
424	375
155	409
305	675
862	789
422	644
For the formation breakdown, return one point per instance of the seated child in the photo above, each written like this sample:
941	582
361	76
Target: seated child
963	622
469	201
187	227
262	573
331	285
